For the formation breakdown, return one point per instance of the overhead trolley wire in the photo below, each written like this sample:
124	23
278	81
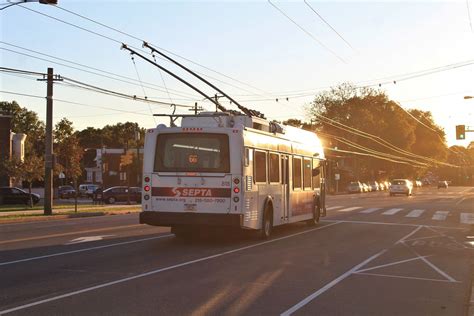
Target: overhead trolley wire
161	48
327	23
117	41
307	32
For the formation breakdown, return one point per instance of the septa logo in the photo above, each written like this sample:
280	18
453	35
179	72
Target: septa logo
191	192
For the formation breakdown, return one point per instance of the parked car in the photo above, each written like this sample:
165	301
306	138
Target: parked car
374	186
12	195
121	193
382	186
401	186
66	192
442	184
355	187
87	190
366	187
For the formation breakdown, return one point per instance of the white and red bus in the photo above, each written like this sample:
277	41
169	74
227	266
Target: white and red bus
220	169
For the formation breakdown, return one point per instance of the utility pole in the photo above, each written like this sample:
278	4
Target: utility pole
48	155
196	108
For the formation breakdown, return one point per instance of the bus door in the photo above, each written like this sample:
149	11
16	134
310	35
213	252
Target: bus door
323	187
285	187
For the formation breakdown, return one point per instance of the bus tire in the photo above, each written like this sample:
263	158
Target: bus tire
267	222
316	214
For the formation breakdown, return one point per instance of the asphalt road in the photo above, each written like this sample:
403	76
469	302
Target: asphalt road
372	255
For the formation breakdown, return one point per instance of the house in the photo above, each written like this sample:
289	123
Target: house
113	166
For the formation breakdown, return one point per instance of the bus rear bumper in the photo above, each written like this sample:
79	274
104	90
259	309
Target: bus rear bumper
195	219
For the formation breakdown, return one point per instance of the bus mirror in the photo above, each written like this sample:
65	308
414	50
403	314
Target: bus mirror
316	155
316	171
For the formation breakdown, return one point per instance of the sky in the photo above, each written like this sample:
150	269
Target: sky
256	55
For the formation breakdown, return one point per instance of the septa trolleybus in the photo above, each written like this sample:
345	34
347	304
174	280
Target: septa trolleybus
223	169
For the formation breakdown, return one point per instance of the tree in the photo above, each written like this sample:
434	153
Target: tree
30	169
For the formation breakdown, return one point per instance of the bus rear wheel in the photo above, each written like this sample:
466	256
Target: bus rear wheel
316	214
267	222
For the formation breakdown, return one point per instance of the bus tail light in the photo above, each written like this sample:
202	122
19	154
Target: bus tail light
236	181
236	190
147	179
236	199
146	188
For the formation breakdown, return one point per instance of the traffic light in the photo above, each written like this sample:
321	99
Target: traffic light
461	132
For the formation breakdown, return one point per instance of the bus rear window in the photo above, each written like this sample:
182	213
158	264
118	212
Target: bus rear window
186	152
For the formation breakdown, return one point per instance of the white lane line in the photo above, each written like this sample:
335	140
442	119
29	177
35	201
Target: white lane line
370	210
440	215
467	218
389	224
84	250
404	277
415	213
332	208
392	211
92	288
328	286
390	264
350	209
334	282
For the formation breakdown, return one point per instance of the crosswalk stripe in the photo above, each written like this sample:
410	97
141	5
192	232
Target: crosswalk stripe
370	210
392	211
415	213
467	218
332	208
350	209
440	215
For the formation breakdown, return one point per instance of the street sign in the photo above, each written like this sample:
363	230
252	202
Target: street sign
337	177
62	175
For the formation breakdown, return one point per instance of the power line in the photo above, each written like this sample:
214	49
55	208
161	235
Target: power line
22	94
150	85
172	53
143	89
306	32
117	41
327	23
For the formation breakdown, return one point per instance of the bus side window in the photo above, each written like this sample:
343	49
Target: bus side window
317	168
274	168
296	173
307	174
260	166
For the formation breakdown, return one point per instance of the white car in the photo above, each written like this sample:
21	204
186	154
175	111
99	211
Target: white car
87	190
401	186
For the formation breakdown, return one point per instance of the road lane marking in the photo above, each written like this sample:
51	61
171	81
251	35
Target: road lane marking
370	210
68	234
389	224
440	215
83	250
467	218
404	277
392	211
390	264
343	276
415	213
350	209
332	208
138	276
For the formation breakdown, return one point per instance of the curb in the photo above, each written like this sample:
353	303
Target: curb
42	218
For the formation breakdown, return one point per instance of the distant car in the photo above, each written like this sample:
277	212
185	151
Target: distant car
366	187
87	190
355	187
418	183
442	184
382	186
12	195
401	186
121	194
374	186
66	192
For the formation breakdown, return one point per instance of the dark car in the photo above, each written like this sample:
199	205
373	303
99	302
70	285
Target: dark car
12	195
66	192
121	194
